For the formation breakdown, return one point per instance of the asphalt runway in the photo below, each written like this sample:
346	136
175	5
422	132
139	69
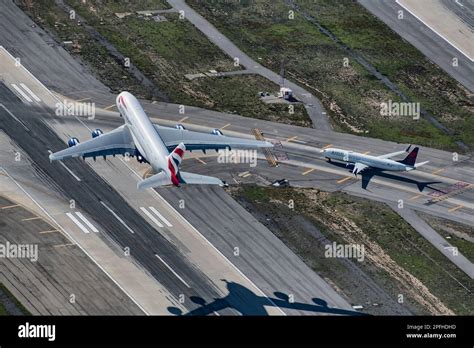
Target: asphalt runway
45	286
300	144
143	249
88	194
428	42
464	9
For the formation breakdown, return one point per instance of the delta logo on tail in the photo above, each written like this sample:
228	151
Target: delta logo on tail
410	160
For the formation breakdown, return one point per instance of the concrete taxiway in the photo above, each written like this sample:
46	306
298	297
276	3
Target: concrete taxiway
313	106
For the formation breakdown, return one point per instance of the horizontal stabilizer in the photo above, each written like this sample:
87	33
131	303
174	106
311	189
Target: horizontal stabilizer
160	179
191	178
420	164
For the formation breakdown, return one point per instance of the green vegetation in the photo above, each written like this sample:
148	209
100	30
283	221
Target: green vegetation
112	73
164	52
350	93
458	235
347	219
3	310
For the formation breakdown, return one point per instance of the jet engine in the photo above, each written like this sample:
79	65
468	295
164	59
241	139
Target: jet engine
97	132
73	142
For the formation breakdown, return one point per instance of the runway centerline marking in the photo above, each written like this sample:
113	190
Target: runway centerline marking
11	206
67	168
23	94
152	218
366	152
63	245
291	139
117	217
77	222
344	180
308	171
227	125
172	270
30	92
157	213
32	218
325	147
87	222
438	171
415	197
455	208
110	107
49	231
183	119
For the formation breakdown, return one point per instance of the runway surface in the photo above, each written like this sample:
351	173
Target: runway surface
196	257
426	40
187	264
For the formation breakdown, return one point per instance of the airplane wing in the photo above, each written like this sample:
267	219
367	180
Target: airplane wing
118	141
359	168
392	154
202	141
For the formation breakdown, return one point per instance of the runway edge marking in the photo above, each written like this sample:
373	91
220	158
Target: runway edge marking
71	238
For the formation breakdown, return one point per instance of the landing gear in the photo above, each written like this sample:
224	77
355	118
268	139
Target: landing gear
328	159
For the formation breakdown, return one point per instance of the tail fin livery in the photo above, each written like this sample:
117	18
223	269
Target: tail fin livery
410	160
174	162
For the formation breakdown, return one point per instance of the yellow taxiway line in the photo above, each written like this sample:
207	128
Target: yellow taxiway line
343	180
455	208
308	171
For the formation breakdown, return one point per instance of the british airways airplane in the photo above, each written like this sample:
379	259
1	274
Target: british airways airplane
362	162
162	147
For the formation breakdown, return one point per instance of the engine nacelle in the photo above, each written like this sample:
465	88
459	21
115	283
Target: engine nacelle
179	126
140	157
97	132
72	142
216	131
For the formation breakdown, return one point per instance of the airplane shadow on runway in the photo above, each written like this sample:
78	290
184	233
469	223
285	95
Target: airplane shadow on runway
369	173
246	302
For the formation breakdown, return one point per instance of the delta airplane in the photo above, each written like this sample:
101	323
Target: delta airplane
362	162
162	147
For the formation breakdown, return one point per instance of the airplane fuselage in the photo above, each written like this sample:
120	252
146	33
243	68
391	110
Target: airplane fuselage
371	161
147	140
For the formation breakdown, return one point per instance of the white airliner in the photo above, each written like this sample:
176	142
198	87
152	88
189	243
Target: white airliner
162	147
362	162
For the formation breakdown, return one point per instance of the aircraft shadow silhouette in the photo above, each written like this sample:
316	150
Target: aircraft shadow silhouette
244	301
370	172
